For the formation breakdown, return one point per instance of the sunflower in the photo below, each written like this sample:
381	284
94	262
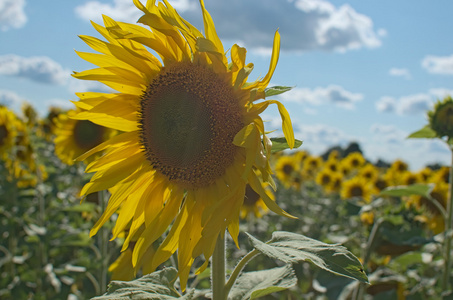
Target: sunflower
311	165
354	160
8	132
324	178
193	134
75	137
431	214
441	175
47	125
409	178
253	203
369	172
356	187
286	168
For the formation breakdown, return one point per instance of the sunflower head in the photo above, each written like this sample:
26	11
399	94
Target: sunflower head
192	139
75	137
354	160
369	172
8	131
286	168
253	203
441	118
356	187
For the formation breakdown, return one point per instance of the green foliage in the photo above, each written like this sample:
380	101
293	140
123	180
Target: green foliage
295	248
157	285
414	189
280	144
256	284
276	90
424	133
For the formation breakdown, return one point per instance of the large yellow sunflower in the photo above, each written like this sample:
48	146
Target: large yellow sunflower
75	137
357	187
193	135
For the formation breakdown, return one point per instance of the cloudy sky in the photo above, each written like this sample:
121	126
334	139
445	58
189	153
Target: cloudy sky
362	71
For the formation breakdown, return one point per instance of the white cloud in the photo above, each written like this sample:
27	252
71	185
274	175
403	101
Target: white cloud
121	10
412	104
9	98
438	64
12	14
322	95
304	25
400	73
38	68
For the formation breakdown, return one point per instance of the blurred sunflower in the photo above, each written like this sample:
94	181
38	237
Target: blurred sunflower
286	168
301	156
380	183
409	178
311	166
193	133
332	164
8	131
75	137
356	187
430	213
425	174
354	160
47	125
369	172
325	177
253	203
441	175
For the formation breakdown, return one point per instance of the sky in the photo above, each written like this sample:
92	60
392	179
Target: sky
364	71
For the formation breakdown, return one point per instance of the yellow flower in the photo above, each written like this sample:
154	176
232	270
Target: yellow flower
254	204
324	178
354	160
441	118
75	137
369	172
286	168
399	166
47	125
193	134
425	174
311	165
367	217
441	175
8	131
380	183
409	178
356	187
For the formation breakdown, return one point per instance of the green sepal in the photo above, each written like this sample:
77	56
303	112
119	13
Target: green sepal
424	133
294	248
252	285
280	144
276	90
408	190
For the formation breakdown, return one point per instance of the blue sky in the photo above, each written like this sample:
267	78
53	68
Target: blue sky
363	71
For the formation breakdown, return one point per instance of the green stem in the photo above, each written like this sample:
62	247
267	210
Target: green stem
237	270
358	293
218	271
448	232
104	240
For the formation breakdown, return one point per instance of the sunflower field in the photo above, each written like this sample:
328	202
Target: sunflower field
168	185
390	217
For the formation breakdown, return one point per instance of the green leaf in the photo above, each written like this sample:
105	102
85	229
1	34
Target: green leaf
280	144
276	90
84	207
424	133
252	285
294	248
407	190
157	285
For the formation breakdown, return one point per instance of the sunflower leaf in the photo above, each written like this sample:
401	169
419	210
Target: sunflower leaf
280	144
407	190
252	285
424	133
276	90
294	248
157	285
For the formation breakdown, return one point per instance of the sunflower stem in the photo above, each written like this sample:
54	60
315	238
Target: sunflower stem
237	270
448	231
218	270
